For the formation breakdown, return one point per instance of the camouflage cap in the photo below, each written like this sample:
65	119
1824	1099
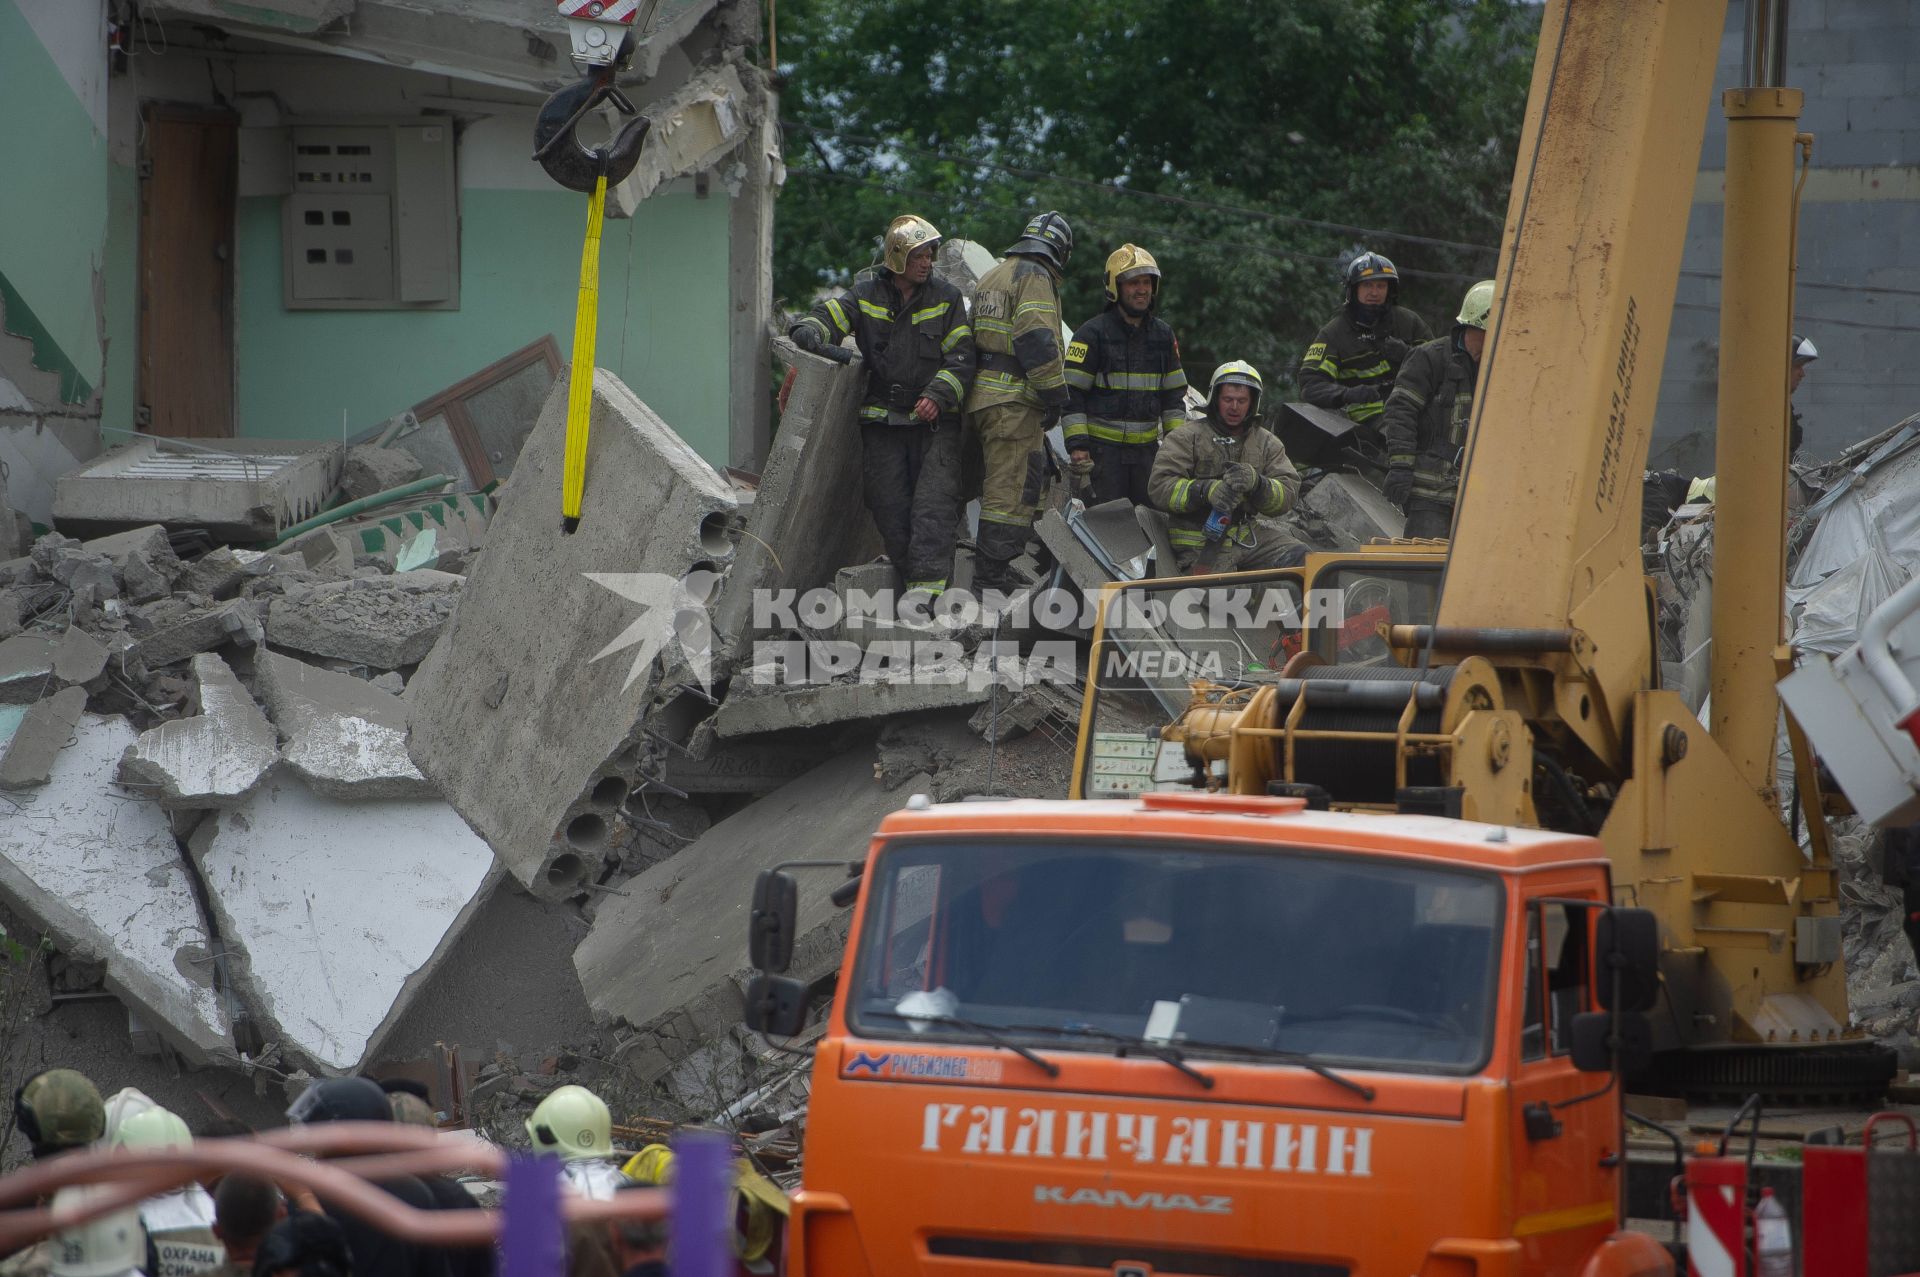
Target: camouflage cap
61	1108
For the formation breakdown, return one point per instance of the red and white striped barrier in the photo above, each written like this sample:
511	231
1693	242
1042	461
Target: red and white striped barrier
1717	1217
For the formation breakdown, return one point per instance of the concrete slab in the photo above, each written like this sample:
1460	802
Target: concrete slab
808	519
36	741
670	957
201	631
1354	511
369	470
98	867
383	622
26	668
752	711
746	767
214	759
537	685
33	664
78	657
247	490
345	737
1083	569
339	911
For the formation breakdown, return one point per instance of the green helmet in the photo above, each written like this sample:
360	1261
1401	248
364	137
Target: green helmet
59	1109
154	1128
1476	306
572	1122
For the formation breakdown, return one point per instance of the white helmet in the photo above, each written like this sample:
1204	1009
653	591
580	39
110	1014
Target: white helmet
121	1105
1803	351
104	1247
152	1129
572	1122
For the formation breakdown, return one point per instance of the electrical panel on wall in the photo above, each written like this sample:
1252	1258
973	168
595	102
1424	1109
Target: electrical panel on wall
372	221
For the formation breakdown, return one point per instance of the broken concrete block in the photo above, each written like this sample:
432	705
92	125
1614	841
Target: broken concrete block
218	574
1082	568
344	737
202	631
754	710
250	490
42	733
13	611
97	867
389	623
78	657
1354	510
26	668
537	686
340	911
670	957
214	759
370	470
144	560
807	520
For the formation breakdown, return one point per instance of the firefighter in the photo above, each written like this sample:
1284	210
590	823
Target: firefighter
1124	382
912	332
1021	389
1228	463
1803	353
1351	363
1427	415
573	1123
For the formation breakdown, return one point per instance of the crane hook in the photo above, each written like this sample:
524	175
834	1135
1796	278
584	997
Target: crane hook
566	159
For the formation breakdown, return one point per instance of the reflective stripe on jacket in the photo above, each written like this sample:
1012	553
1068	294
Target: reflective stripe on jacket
1124	380
1344	355
1427	416
1195	455
1016	330
922	343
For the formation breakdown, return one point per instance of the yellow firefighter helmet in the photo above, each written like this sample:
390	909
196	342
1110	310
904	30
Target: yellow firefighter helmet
904	234
1127	261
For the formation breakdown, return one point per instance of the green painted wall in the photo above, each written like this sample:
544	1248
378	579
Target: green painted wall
123	302
663	317
53	227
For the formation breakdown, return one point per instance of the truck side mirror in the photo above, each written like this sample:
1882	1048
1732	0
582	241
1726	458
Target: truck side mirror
1627	942
776	1005
1593	1045
775	917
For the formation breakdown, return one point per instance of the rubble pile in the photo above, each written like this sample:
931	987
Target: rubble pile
208	801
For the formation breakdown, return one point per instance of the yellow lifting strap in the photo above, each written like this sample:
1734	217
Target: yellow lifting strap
586	324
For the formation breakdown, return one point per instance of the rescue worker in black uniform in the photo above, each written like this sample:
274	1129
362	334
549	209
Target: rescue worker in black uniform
1351	363
1427	416
1126	390
912	332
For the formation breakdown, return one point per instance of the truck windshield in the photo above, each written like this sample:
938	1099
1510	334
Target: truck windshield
1374	963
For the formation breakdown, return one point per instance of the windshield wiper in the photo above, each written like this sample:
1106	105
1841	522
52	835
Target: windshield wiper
1158	1050
993	1033
1302	1058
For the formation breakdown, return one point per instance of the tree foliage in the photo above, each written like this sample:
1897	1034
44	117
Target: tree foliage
1247	146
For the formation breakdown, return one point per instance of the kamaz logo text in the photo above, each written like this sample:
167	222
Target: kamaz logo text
1120	1198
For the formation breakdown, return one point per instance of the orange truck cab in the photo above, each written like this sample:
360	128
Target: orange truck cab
1204	1034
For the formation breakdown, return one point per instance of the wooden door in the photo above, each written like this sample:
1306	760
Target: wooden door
188	173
